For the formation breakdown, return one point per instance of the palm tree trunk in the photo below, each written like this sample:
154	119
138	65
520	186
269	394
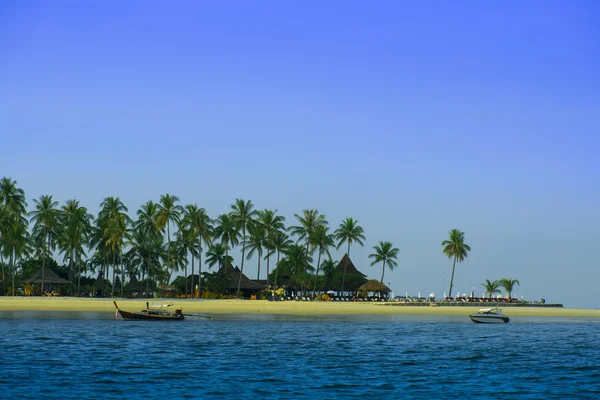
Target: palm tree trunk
78	273
277	269
114	265
317	273
200	271
186	276
258	274
44	265
122	272
243	253
268	259
192	283
345	268
382	271
452	277
12	268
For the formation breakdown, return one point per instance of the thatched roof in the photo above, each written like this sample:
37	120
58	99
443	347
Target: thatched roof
374	285
134	285
346	263
233	275
98	282
49	277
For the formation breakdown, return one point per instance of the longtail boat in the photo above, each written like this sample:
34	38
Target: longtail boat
154	313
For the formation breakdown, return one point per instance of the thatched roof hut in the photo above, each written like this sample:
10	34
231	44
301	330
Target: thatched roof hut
52	282
134	285
347	264
374	285
354	278
233	275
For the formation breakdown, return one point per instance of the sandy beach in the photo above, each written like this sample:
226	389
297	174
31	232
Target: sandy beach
254	307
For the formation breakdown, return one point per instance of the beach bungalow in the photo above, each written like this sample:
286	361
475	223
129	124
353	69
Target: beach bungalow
376	287
247	286
134	287
52	282
353	280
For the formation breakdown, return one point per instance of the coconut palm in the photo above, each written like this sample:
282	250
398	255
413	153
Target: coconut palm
455	248
112	210
76	232
328	268
256	243
309	221
12	207
199	223
271	223
349	232
46	220
508	284
15	245
491	287
117	233
13	198
296	263
217	254
322	240
279	243
385	252
242	213
227	232
169	211
188	242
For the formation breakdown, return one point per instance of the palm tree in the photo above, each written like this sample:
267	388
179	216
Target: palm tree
12	207
217	254
227	232
16	242
242	213
321	239
169	211
258	236
272	223
111	213
13	198
508	284
297	264
147	227
279	243
187	241
386	253
491	287
309	221
46	220
117	233
457	249
199	223
328	268
76	232
349	231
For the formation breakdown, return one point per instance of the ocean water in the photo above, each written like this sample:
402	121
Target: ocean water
246	358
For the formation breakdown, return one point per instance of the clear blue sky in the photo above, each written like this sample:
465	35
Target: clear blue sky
413	117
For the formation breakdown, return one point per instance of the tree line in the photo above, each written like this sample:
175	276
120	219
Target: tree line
165	236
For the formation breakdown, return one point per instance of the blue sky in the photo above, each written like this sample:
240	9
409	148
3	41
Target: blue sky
413	117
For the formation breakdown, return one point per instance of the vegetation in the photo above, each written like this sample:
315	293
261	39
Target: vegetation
456	249
167	238
385	253
491	288
508	284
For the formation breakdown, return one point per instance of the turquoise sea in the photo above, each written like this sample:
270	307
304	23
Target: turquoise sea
247	358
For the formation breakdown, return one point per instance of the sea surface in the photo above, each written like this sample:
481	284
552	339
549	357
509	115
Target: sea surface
273	357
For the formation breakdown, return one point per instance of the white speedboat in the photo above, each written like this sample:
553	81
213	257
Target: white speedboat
489	316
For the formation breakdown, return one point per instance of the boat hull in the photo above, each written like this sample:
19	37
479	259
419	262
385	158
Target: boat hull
150	314
150	317
489	319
